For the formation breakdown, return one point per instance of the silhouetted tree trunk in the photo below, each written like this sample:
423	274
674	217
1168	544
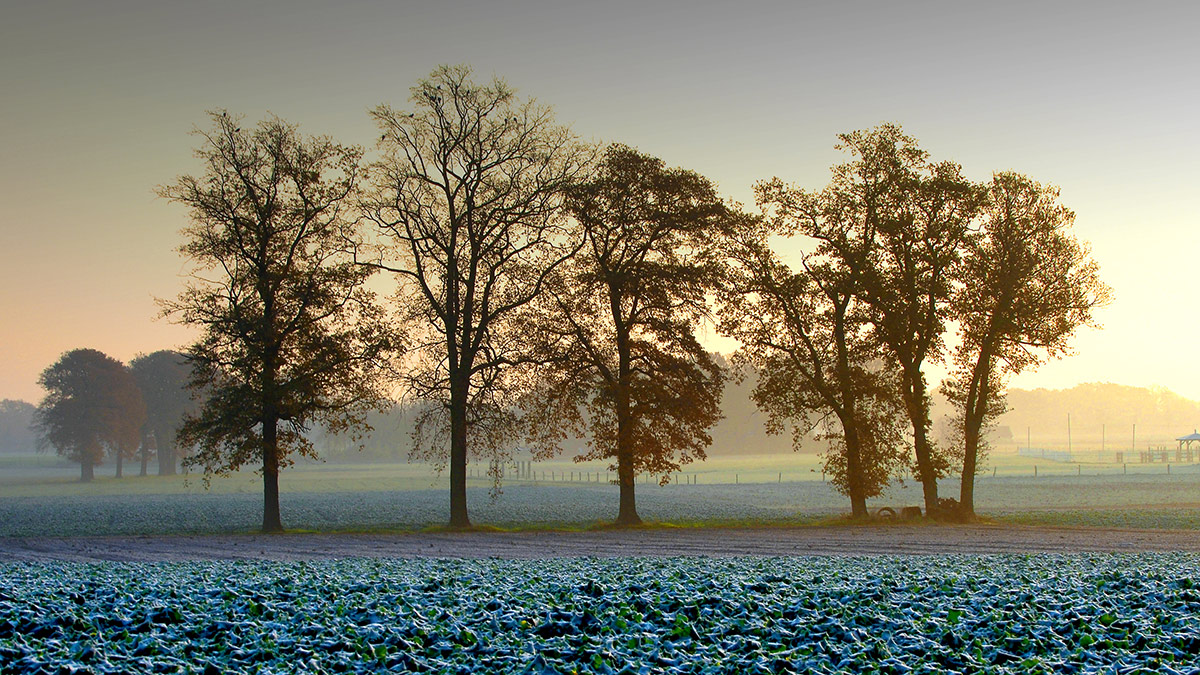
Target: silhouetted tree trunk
87	471
858	500
145	452
459	391
271	520
976	408
166	457
916	403
626	473
120	461
850	428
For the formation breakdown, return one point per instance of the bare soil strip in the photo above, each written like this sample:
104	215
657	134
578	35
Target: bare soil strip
766	541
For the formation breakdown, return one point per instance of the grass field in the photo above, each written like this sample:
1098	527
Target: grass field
45	497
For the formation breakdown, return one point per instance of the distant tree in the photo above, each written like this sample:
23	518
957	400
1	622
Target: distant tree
163	377
469	199
91	403
125	434
16	421
1026	286
618	325
819	367
898	223
291	336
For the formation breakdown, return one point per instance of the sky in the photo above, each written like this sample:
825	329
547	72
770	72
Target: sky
97	100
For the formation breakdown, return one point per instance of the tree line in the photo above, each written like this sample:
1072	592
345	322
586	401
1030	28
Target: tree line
547	287
97	407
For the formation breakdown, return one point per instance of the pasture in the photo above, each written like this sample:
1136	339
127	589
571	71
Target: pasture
44	497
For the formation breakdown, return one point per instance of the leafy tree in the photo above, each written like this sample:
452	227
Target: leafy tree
1026	286
125	434
91	403
808	335
900	226
469	200
618	324
163	377
290	334
16	420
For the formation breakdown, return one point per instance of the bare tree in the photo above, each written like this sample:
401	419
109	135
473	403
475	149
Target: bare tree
469	199
291	336
1027	286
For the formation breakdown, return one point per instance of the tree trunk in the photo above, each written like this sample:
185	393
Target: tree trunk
918	413
974	410
164	449
966	493
271	520
87	471
145	457
848	416
120	460
459	389
627	513
166	458
854	481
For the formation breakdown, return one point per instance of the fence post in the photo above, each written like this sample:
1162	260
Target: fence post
780	476
1035	470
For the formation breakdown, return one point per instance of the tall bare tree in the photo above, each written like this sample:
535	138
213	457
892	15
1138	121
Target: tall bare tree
619	322
469	199
291	336
1027	286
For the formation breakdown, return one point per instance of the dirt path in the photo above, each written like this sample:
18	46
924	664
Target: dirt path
890	540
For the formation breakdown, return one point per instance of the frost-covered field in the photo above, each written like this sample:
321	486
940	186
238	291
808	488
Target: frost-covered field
1115	501
1011	614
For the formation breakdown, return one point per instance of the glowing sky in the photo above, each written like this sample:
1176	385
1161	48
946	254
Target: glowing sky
97	98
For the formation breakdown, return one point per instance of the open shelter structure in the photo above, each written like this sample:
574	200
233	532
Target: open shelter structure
1185	445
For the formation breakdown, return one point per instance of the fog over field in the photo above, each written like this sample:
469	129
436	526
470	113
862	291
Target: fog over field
445	337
